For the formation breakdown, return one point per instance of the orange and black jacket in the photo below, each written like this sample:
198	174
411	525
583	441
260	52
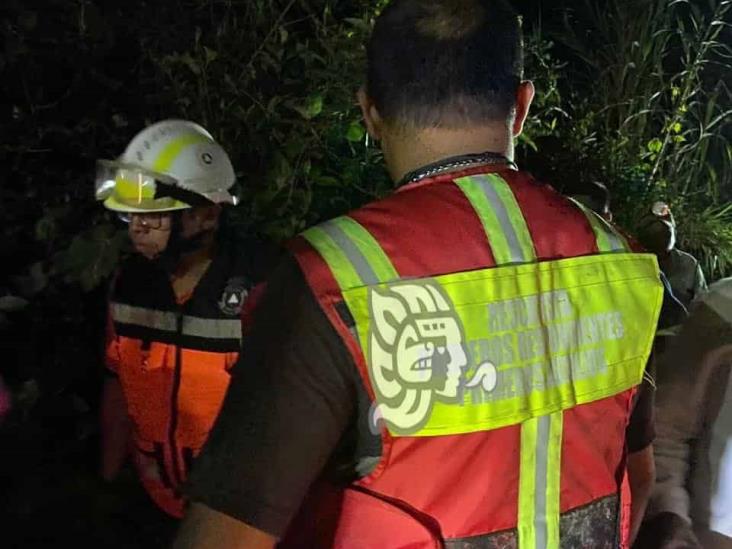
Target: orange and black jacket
173	358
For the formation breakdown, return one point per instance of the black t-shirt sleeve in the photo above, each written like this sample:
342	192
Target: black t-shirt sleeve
291	397
641	429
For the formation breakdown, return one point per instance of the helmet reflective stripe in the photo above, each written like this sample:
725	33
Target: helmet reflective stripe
172	151
160	205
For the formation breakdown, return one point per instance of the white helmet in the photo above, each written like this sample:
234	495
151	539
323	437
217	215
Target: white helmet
171	165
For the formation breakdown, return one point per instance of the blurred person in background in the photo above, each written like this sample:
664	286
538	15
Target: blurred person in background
657	234
691	505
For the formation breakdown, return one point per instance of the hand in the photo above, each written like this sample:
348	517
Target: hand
666	531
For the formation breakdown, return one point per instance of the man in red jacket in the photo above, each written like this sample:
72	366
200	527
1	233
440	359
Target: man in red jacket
457	362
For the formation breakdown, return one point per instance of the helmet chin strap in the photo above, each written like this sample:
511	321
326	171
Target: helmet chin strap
178	246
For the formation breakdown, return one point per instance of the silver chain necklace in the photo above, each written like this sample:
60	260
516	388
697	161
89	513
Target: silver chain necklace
455	162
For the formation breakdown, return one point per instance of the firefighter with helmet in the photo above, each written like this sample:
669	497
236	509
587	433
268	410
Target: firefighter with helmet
177	305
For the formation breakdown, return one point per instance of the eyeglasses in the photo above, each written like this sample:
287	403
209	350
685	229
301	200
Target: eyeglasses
146	220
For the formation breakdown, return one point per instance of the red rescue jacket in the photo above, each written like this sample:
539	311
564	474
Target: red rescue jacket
463	490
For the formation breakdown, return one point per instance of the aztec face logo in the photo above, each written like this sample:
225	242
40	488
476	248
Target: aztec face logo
416	354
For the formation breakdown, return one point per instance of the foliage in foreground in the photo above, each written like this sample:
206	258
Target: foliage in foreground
634	92
649	112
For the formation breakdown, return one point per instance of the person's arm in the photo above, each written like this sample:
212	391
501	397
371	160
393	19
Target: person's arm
290	400
204	527
681	403
639	438
115	426
680	406
642	475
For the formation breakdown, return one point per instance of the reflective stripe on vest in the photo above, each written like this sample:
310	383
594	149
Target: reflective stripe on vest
165	321
608	239
504	224
514	344
355	257
541	437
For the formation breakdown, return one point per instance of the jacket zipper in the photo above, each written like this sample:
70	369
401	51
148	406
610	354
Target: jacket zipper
177	372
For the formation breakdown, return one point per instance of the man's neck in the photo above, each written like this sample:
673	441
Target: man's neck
190	261
426	147
190	269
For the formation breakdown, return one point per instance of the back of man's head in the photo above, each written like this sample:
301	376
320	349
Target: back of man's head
445	63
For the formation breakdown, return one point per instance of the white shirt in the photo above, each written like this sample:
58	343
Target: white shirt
720	460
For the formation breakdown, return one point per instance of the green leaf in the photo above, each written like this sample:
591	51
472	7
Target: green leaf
355	132
655	145
312	107
191	63
359	24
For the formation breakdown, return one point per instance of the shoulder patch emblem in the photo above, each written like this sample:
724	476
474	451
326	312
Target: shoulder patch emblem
234	296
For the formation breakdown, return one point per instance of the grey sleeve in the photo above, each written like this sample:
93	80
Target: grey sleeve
700	282
677	422
681	405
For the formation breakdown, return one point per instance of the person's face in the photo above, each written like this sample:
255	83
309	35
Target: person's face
201	219
150	233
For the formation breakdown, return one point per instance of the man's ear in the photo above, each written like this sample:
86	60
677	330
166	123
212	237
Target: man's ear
524	96
371	116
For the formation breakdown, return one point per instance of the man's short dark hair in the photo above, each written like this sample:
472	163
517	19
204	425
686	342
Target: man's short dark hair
445	63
